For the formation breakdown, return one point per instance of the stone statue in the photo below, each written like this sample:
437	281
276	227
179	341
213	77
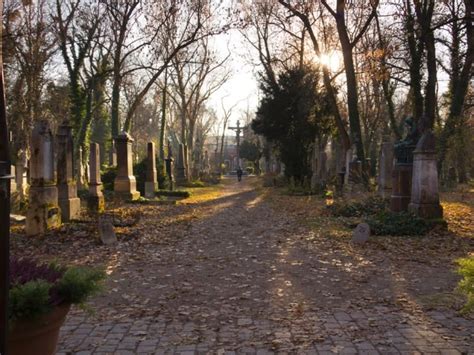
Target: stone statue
404	148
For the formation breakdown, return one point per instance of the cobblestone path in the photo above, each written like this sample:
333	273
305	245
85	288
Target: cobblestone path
239	277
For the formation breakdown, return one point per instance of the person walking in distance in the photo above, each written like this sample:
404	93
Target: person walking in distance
239	174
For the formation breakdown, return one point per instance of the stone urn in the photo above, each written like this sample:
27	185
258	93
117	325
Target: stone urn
39	336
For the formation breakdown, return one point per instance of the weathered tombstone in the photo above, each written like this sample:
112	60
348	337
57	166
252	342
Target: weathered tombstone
361	233
69	203
112	155
13	185
425	190
106	231
43	213
80	171
347	170
385	170
169	167
181	168
151	182
403	169
95	201
125	183
21	174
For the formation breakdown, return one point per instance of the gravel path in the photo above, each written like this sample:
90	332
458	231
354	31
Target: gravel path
238	276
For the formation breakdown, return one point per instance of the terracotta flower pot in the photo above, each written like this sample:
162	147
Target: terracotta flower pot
38	337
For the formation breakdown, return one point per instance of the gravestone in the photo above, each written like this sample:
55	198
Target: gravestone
348	160
361	233
21	174
125	184
403	168
43	211
169	167
385	170
13	185
95	201
112	155
69	203
106	231
425	191
80	171
151	182
181	168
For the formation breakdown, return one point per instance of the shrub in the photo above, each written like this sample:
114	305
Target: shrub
466	285
108	176
194	184
36	288
176	193
368	207
401	223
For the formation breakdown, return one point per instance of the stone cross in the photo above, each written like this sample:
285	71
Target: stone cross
385	169
151	182
424	188
237	130
43	211
67	190
181	168
95	202
125	183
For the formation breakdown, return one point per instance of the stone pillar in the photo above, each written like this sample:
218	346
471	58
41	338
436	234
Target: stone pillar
385	170
424	189
69	203
151	182
80	171
112	155
95	202
21	174
13	185
348	161
181	168
125	183
401	187
169	171
43	212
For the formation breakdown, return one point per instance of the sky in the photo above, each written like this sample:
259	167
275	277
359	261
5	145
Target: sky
241	89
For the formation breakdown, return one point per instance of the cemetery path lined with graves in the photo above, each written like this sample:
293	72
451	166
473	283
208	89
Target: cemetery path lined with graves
236	268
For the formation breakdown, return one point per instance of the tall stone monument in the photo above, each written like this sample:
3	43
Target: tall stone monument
21	173
43	213
403	168
125	183
424	188
81	184
181	168
169	167
69	203
13	184
95	201
384	187
151	182
112	155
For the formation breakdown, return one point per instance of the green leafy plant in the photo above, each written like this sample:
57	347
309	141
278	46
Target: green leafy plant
402	223
368	207
466	285
107	177
35	288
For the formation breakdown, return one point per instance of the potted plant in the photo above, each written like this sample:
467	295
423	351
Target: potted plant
40	298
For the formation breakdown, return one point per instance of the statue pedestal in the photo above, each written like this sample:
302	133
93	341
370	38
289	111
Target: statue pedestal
424	192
